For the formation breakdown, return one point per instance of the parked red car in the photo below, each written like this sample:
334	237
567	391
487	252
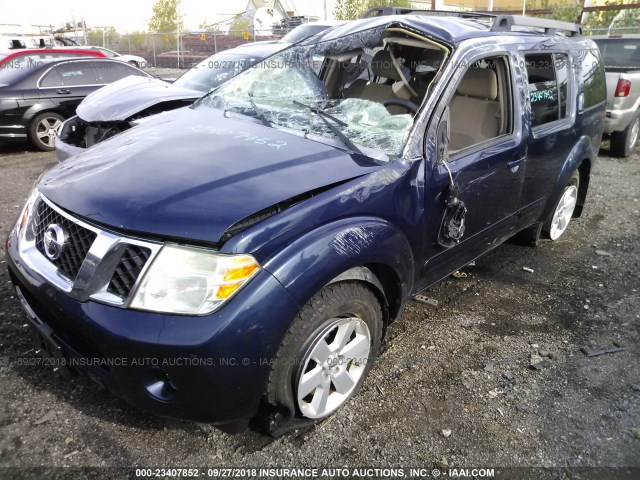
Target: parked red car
17	58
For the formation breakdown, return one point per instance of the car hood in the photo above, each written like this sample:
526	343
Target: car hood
124	98
192	173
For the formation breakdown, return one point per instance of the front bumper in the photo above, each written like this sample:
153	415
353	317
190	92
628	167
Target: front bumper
65	150
211	368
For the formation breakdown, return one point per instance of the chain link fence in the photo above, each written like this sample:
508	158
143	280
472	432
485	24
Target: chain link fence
170	50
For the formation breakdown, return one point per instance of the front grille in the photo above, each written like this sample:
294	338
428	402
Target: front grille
80	239
128	270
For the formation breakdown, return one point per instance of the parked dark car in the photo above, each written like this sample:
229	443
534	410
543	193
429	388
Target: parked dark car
242	258
36	97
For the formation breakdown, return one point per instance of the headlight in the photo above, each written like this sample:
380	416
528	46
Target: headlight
27	211
190	280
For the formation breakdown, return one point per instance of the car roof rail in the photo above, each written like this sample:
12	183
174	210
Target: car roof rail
501	23
384	11
505	23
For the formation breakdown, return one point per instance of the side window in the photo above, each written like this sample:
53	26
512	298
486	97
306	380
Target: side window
115	70
51	79
548	86
481	109
593	79
75	74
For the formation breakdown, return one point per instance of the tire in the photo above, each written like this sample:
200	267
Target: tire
622	144
529	237
42	130
560	217
133	63
346	310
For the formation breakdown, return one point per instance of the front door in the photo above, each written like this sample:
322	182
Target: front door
485	160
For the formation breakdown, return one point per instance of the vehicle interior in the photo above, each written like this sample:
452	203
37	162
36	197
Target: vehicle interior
398	74
481	107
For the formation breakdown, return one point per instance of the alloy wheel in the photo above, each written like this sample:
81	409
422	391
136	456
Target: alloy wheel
333	366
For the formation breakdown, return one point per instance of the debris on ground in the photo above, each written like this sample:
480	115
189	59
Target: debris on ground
636	432
459	274
595	353
536	362
50	415
527	269
426	300
446	433
603	253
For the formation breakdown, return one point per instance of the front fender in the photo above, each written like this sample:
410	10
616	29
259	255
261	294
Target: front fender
313	260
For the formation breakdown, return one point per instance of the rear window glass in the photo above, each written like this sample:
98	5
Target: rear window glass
620	53
593	79
549	86
112	71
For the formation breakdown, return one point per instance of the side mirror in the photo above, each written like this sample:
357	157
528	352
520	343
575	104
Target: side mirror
442	138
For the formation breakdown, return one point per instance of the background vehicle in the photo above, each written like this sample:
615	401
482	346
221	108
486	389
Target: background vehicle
114	108
23	58
37	97
621	54
134	60
301	32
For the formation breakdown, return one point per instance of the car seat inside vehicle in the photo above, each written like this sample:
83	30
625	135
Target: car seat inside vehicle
404	68
474	109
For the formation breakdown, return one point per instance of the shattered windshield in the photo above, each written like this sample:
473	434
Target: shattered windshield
360	91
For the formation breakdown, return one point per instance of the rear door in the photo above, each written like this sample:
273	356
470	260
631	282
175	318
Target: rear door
68	83
552	96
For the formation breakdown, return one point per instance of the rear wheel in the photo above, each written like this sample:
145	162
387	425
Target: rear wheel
43	130
557	223
624	143
327	352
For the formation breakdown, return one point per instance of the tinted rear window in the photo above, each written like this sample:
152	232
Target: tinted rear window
593	79
620	52
114	71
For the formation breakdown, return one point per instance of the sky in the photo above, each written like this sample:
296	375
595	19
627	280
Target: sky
124	15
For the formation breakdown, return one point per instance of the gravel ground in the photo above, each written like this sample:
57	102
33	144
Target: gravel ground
462	366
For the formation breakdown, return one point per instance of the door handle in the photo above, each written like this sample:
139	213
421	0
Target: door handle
63	91
514	163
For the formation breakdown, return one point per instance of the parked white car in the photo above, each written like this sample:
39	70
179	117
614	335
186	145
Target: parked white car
134	60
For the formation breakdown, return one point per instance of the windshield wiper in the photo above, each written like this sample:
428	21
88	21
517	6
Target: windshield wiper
325	118
259	112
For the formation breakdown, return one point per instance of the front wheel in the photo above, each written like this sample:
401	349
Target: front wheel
624	143
327	352
559	220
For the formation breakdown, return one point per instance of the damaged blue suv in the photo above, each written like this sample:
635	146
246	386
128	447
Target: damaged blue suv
241	258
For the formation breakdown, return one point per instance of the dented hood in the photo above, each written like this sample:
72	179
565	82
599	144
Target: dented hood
124	98
192	173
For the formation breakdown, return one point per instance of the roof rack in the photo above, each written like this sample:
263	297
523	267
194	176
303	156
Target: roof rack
505	23
500	23
384	11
